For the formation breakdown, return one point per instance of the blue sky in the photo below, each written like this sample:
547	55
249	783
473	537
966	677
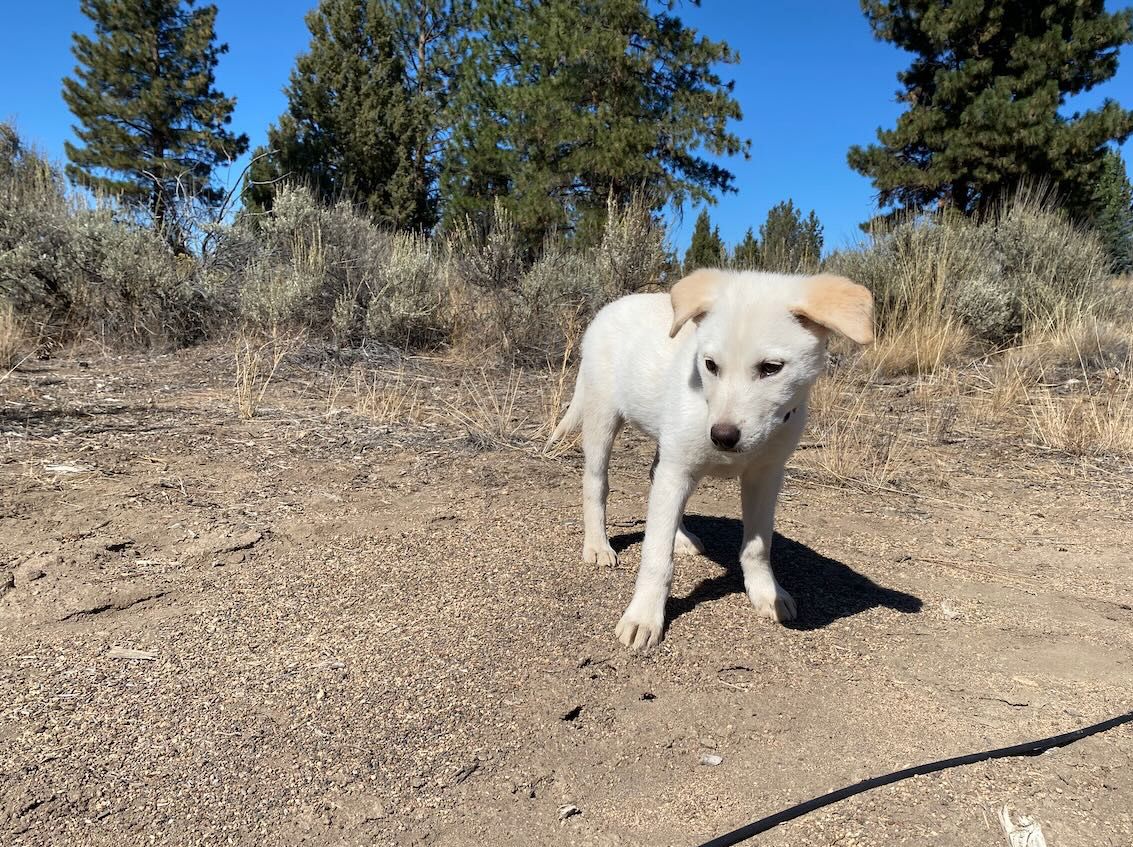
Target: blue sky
811	82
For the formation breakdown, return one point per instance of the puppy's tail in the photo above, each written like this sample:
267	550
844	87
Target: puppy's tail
571	419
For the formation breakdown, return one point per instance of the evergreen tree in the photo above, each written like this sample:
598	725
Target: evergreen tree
363	111
790	243
1113	202
983	95
746	255
429	35
152	126
706	250
563	104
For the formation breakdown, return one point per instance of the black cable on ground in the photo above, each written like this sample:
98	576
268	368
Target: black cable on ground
1030	748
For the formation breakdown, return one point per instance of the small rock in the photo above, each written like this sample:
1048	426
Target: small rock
569	811
7	582
240	542
648	695
117	545
32	574
710	760
949	611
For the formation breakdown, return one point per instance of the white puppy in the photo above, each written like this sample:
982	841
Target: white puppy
718	372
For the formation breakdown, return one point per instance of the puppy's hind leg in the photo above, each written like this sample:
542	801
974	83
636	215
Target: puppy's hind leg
685	544
599	428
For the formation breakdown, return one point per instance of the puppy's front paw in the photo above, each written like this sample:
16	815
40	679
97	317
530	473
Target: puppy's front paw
772	601
595	554
639	628
687	544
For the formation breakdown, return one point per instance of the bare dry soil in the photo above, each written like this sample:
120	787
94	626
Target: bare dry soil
314	628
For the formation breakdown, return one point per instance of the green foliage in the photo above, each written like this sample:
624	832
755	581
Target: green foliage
1022	266
788	242
746	256
150	121
365	110
706	249
1113	212
562	104
983	95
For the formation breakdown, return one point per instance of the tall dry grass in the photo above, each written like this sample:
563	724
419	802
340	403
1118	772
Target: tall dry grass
949	288
16	341
256	362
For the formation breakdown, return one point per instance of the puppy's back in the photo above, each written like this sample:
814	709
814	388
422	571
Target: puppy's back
627	355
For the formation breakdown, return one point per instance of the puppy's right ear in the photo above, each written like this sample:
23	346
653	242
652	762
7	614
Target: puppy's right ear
693	296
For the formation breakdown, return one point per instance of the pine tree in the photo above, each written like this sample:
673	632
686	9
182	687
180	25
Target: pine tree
746	255
788	242
565	103
983	95
364	110
429	35
706	250
152	126
1113	218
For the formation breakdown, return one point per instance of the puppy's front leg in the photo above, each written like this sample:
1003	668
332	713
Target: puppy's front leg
644	620
760	489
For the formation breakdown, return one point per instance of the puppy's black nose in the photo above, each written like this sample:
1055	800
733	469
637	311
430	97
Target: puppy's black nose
725	436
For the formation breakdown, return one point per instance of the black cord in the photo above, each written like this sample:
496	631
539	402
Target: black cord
1030	748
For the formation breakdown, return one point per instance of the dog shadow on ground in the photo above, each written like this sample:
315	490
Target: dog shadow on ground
824	588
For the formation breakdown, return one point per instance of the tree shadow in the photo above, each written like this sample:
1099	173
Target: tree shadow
824	588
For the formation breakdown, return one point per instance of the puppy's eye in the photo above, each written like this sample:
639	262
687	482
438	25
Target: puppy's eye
769	368
710	365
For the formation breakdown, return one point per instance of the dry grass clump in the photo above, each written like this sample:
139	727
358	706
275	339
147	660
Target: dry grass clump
256	362
490	411
851	440
1082	343
1091	414
1084	425
386	397
948	286
16	343
918	347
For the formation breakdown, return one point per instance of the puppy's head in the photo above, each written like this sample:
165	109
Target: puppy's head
761	343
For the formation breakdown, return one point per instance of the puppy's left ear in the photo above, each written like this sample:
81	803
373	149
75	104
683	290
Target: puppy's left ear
839	304
693	296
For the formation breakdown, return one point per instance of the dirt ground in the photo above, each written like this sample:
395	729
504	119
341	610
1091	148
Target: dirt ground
358	633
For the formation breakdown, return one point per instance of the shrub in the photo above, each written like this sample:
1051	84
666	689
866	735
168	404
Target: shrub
76	266
330	271
632	254
408	304
522	307
1022	267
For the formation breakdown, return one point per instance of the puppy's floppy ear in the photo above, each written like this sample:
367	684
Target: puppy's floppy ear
693	296
840	304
